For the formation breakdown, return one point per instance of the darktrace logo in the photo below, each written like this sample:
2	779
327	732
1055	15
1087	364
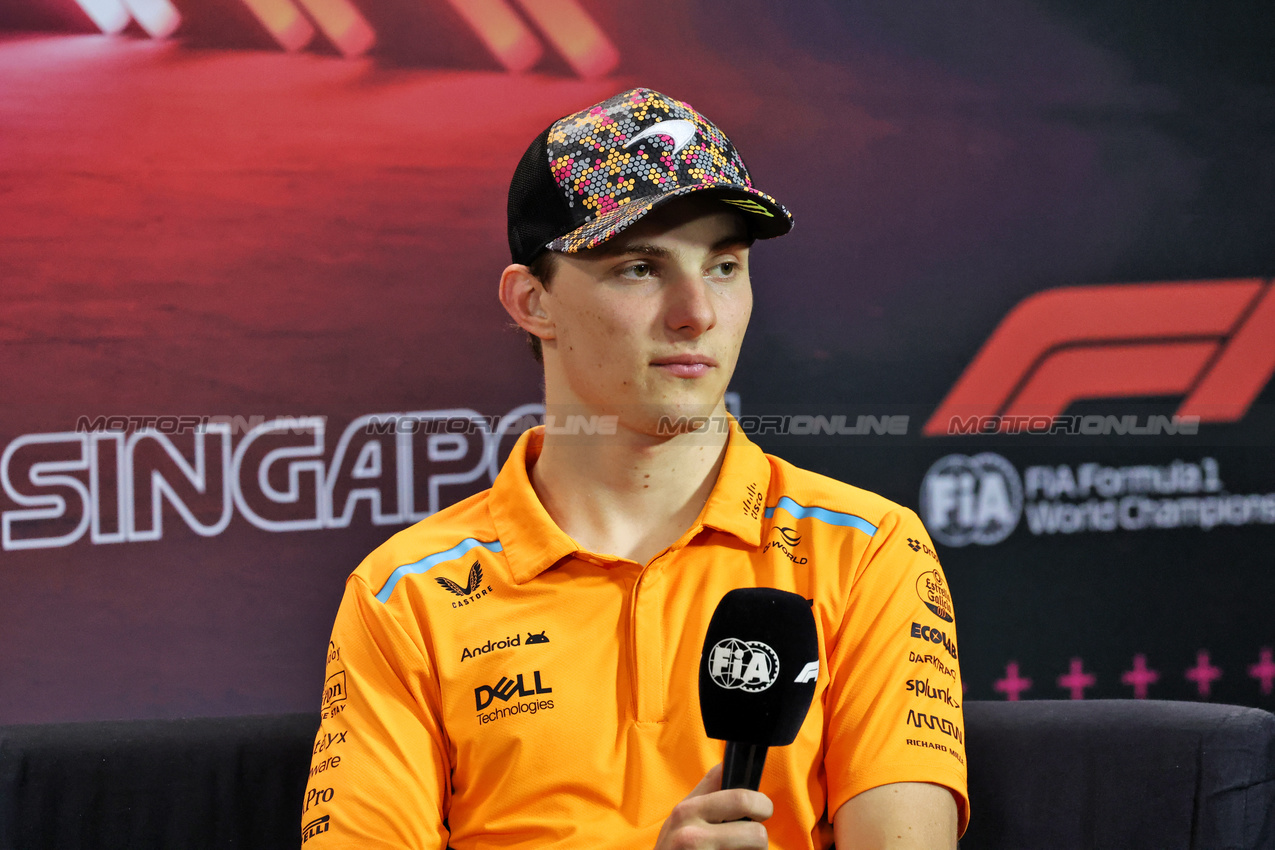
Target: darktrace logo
933	635
921	687
932	660
506	689
786	540
747	665
968	500
932	590
508	642
919	546
473	589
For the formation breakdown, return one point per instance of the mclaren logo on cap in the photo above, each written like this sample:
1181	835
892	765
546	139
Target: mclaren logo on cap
679	130
750	206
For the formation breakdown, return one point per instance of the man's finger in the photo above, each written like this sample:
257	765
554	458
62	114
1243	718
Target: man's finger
711	782
734	804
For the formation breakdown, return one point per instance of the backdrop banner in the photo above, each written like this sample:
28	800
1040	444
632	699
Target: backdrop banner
250	326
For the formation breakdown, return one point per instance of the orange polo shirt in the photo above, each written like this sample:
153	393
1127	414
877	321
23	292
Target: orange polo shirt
492	684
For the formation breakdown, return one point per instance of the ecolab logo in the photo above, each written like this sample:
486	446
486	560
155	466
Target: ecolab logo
1206	340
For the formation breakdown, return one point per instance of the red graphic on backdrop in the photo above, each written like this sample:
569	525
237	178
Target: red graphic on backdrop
1012	685
1203	673
1076	679
1211	341
508	36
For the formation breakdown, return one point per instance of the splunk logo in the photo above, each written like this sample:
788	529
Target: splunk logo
1205	340
975	499
921	687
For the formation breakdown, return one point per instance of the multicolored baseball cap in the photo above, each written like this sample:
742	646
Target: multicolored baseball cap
592	174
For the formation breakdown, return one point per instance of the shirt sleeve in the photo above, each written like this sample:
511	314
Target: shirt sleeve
893	711
379	775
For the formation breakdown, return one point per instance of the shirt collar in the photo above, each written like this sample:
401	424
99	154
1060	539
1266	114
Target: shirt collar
532	542
738	500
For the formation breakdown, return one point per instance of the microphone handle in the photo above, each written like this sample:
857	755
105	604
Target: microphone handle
742	766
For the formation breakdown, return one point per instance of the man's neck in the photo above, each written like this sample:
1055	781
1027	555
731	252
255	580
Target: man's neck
628	494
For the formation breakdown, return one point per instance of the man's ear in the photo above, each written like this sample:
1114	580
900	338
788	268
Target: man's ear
523	294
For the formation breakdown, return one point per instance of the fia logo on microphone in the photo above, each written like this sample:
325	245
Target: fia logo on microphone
747	665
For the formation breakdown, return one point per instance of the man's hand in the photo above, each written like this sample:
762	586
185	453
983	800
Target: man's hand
710	818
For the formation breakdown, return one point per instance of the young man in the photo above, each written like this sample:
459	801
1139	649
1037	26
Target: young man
520	669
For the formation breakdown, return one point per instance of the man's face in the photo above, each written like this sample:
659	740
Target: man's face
650	324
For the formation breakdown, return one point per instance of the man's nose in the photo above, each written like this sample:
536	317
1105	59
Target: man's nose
690	310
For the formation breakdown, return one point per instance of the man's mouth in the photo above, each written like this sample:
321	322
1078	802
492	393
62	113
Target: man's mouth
686	365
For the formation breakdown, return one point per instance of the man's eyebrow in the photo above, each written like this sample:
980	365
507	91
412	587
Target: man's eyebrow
621	248
616	249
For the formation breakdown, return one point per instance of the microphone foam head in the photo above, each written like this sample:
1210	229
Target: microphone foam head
758	668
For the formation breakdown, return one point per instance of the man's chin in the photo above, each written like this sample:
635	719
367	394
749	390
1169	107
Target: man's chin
673	420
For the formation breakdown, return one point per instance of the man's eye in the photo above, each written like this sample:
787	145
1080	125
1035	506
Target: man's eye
725	269
637	271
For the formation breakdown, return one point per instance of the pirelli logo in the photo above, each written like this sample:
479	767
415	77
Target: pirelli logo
1211	341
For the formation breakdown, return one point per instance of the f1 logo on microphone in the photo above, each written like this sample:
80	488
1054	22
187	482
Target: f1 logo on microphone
808	673
1211	341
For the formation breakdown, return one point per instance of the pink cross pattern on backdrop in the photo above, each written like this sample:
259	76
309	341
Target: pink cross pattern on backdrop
1264	669
1012	685
1203	673
1076	679
1140	677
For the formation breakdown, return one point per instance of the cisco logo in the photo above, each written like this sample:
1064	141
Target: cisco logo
968	500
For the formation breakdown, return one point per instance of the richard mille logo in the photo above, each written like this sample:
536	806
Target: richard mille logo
473	589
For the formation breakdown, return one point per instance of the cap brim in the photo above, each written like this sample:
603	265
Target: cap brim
766	217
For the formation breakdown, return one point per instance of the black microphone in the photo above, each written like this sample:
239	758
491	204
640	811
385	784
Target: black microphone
757	676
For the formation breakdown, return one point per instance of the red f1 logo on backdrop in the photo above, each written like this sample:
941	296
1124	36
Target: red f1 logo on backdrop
1211	341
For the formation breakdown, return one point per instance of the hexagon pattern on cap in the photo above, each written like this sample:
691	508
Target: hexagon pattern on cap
616	161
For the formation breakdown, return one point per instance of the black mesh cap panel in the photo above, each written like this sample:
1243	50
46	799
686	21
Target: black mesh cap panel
538	213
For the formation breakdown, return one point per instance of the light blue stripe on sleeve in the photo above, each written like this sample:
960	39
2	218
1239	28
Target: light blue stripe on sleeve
823	515
430	561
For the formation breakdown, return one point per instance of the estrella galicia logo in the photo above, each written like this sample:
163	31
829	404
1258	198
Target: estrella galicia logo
506	689
473	589
933	592
745	665
968	500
